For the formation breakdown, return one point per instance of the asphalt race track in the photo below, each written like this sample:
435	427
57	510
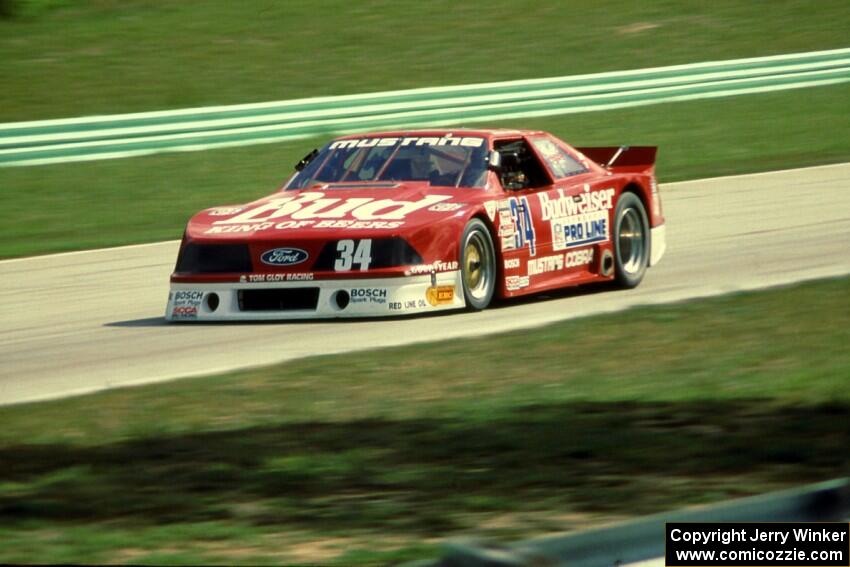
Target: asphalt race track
86	321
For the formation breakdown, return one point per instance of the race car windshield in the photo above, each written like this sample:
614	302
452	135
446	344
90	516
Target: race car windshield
448	161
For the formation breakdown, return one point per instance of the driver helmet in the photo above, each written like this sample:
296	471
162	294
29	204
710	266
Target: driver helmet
422	163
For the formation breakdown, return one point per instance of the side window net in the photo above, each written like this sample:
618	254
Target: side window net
520	168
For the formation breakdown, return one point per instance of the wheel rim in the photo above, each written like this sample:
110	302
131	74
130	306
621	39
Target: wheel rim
477	268
631	241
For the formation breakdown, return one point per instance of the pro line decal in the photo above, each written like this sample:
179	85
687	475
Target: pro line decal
578	220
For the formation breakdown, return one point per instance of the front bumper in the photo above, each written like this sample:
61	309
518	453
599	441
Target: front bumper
325	299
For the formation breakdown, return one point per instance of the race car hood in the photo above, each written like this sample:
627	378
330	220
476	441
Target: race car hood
322	211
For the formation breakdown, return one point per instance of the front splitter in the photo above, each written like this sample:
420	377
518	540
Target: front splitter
379	297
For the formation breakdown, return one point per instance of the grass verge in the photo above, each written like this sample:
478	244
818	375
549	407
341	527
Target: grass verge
105	203
377	456
61	58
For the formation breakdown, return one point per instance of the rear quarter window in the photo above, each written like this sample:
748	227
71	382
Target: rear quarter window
559	162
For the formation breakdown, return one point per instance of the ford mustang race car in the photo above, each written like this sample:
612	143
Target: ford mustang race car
397	223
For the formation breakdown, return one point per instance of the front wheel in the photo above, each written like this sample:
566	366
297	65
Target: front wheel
631	240
478	265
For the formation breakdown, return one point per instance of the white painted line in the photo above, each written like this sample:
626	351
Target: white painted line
237	367
88	251
757	174
654	562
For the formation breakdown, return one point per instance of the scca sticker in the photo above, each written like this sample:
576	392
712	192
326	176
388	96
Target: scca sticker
186	304
184	312
514	283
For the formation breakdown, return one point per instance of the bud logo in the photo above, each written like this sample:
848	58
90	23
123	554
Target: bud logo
284	256
315	205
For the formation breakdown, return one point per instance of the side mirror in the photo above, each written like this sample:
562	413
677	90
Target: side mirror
494	160
305	160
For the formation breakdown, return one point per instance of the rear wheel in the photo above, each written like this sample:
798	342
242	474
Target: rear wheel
478	265
631	240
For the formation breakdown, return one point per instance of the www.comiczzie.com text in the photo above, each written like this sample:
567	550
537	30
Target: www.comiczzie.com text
744	544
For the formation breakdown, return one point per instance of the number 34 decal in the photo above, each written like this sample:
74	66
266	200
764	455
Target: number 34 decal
349	253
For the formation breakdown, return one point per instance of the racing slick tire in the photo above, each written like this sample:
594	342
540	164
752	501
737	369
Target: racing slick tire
631	240
478	265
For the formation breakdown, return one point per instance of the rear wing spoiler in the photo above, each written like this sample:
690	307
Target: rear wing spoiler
632	159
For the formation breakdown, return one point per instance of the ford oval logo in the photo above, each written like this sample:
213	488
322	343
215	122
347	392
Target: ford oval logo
284	256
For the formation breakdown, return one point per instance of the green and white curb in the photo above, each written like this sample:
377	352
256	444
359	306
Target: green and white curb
126	135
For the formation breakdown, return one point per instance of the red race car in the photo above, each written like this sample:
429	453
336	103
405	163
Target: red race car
395	223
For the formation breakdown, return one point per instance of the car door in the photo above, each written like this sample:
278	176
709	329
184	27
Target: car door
521	239
574	215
